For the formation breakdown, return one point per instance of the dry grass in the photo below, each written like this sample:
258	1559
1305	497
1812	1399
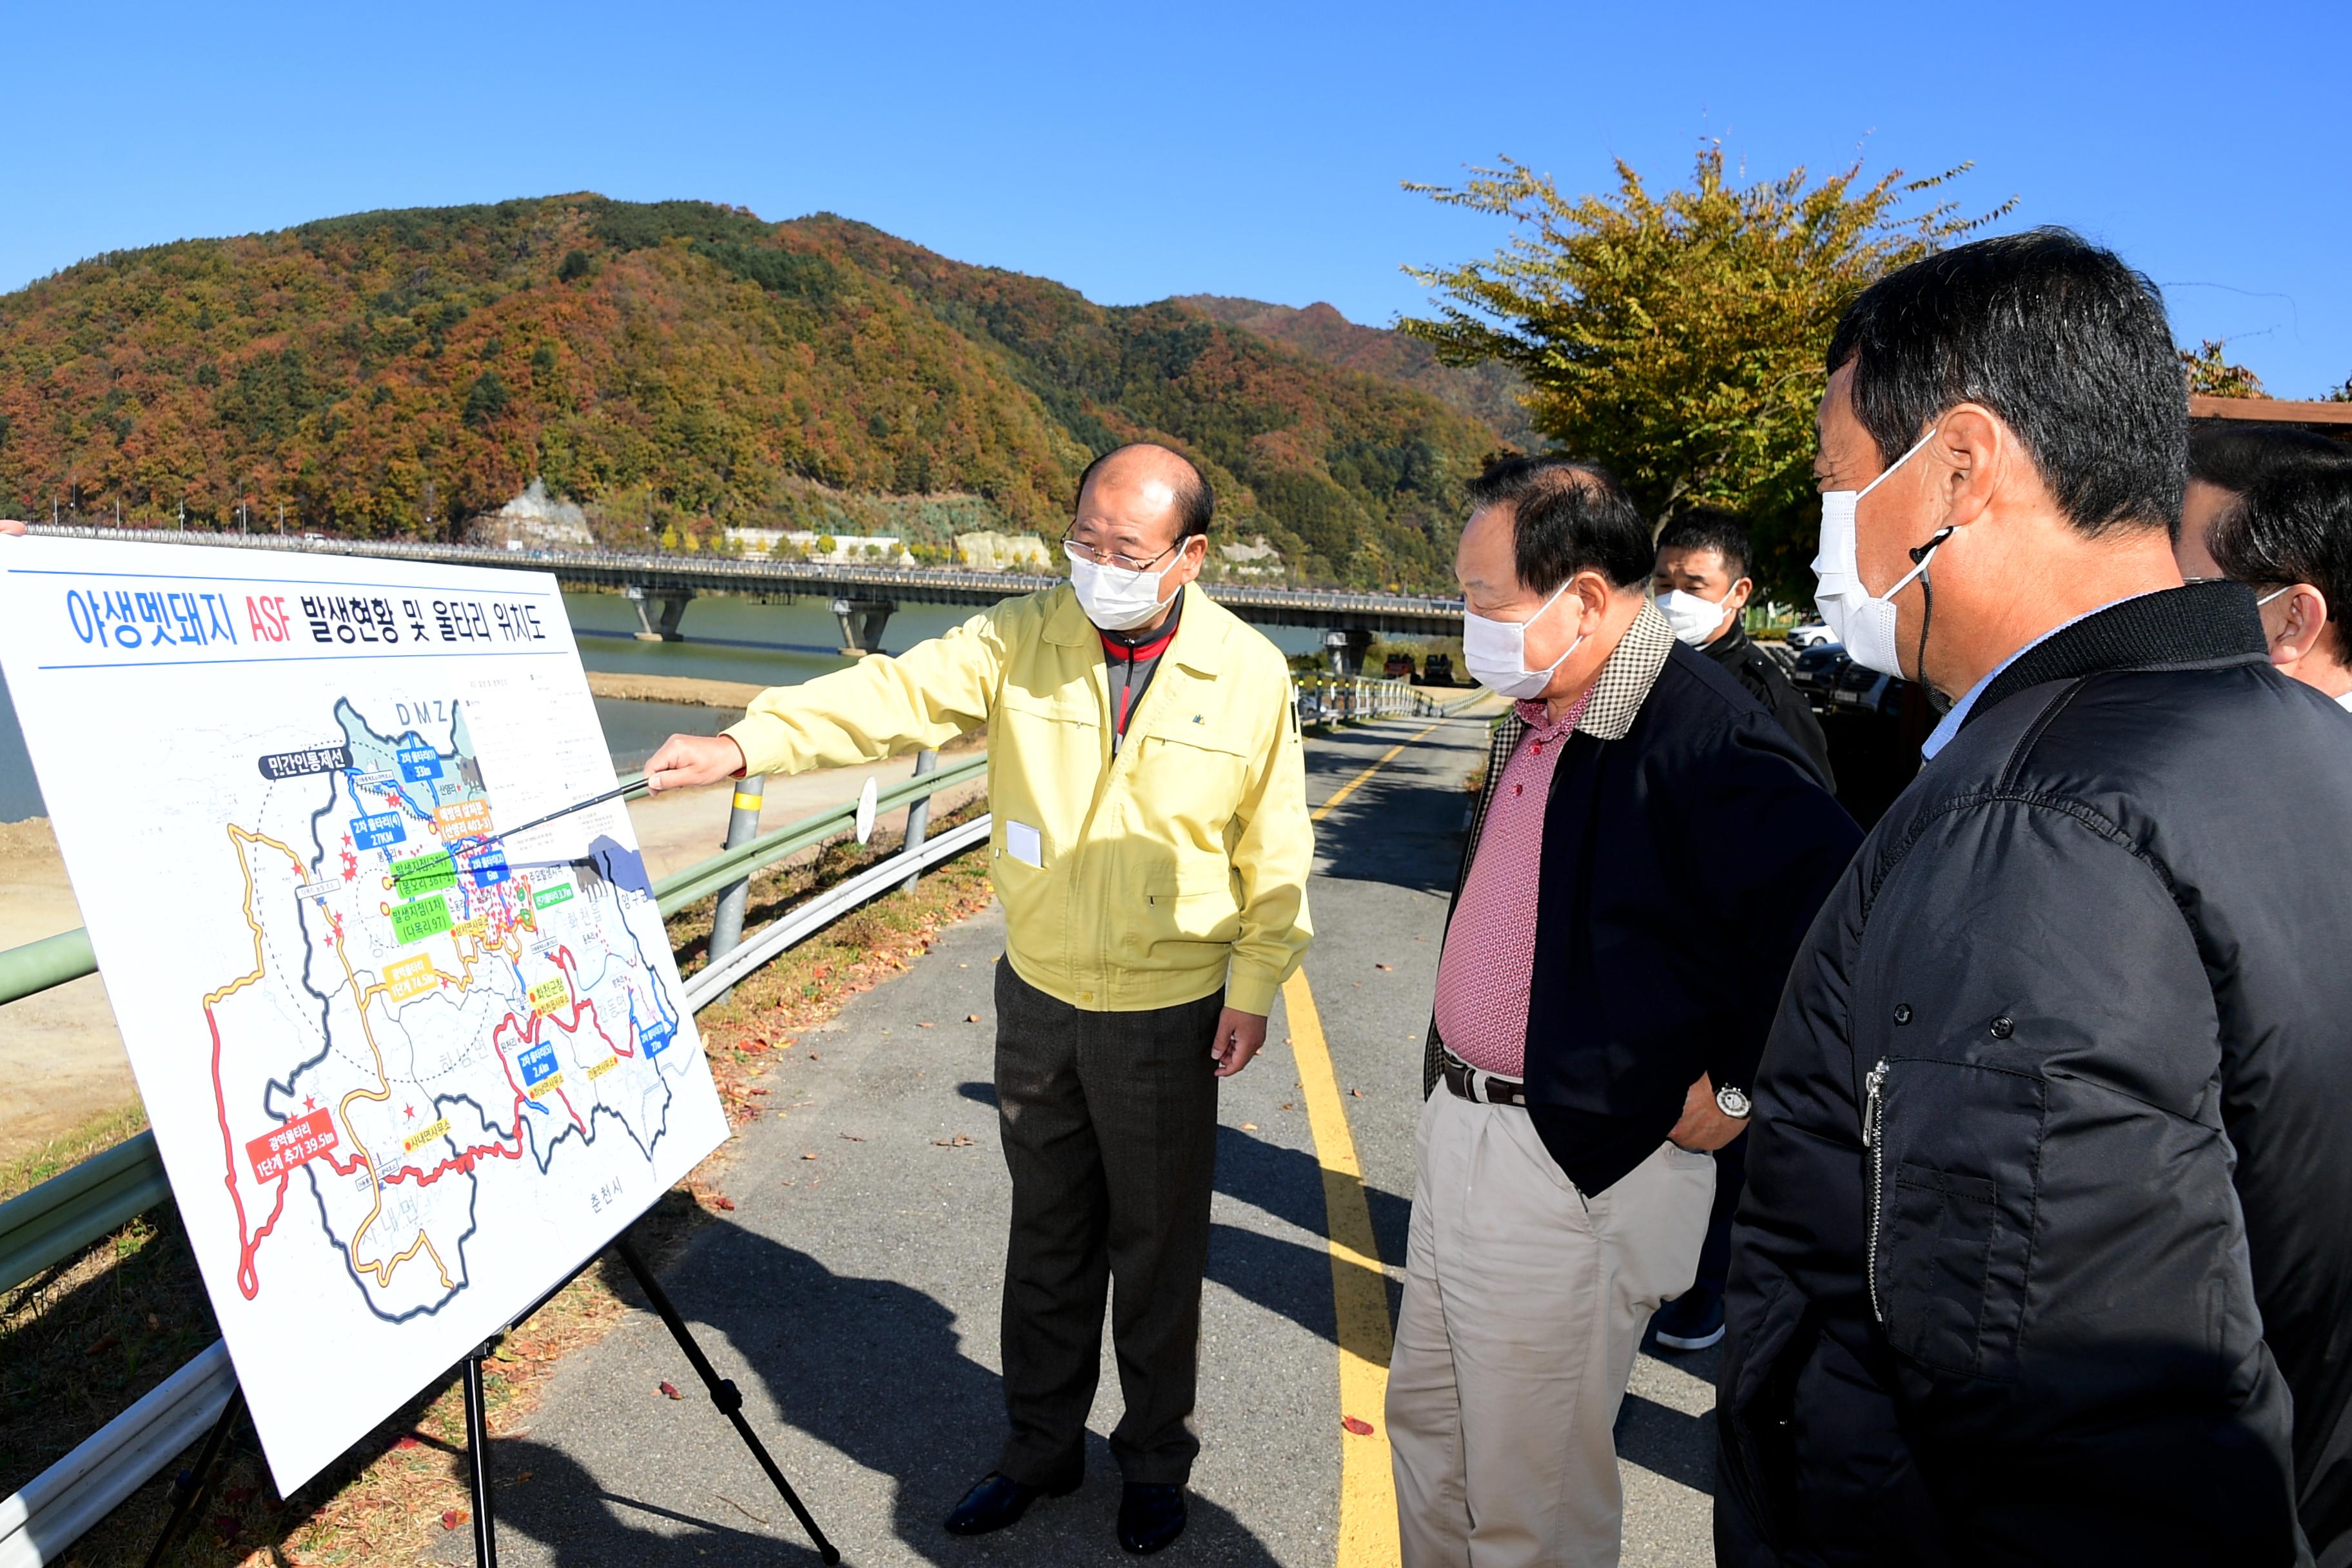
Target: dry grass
87	1337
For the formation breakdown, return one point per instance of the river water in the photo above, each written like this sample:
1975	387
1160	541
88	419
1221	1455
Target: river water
764	642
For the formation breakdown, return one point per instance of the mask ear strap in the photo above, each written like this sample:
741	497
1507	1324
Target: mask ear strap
1926	600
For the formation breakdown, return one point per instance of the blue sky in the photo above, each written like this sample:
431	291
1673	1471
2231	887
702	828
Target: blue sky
1250	149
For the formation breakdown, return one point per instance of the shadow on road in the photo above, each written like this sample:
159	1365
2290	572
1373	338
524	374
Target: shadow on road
872	1370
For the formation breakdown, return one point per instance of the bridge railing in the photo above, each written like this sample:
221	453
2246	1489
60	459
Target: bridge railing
1348	700
737	571
59	1218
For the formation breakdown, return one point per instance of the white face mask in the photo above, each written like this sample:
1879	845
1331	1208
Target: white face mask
1496	652
1114	598
1863	621
1694	618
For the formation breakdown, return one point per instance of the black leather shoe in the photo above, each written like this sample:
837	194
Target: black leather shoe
997	1501
1150	1516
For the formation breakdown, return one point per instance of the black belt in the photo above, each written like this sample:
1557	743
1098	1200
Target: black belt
1466	1081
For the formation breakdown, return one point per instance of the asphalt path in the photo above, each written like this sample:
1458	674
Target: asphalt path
853	1291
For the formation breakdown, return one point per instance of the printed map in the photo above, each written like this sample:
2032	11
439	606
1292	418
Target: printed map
407	1073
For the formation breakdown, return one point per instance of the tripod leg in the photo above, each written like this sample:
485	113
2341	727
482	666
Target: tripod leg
723	1393
192	1487
478	1461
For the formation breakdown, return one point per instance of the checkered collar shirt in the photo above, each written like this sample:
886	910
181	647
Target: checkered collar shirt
1608	710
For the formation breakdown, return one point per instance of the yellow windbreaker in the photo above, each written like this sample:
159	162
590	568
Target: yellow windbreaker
1160	874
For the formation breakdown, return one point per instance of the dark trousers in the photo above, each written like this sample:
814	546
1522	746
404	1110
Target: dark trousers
1714	1256
1110	1124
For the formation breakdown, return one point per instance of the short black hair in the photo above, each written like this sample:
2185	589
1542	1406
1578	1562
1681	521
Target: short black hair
1196	503
1566	516
1712	528
2231	454
2057	336
2293	525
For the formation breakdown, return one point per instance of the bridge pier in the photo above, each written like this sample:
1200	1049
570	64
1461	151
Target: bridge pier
673	610
1346	649
862	621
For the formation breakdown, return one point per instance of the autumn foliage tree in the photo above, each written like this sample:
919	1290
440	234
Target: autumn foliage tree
1677	339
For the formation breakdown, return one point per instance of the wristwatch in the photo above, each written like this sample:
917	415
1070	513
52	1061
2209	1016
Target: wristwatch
1733	1102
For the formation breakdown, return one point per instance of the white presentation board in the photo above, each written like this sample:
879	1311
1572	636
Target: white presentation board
406	1075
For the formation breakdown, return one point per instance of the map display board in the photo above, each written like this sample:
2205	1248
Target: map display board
405	1074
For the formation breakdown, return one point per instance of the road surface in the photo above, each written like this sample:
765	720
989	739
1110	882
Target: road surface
853	1292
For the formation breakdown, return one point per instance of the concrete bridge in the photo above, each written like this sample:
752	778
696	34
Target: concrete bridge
862	597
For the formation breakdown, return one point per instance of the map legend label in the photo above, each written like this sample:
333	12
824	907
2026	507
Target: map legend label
304	1138
549	995
414	922
376	832
418	764
407	977
547	898
461	819
423	874
423	1136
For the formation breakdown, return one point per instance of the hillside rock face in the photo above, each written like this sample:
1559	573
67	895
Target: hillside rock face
686	368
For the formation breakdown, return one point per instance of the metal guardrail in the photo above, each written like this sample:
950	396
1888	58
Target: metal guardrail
68	1213
1349	699
1320	607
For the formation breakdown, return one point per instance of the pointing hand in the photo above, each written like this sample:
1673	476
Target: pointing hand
687	760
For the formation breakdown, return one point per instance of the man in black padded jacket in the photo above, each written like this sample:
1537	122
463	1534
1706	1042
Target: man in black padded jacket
2046	1255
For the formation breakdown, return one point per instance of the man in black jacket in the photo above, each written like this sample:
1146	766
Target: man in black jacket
1702	582
1646	857
2044	1256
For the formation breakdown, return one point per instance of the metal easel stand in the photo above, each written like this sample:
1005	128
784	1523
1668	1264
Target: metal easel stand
191	1486
723	1393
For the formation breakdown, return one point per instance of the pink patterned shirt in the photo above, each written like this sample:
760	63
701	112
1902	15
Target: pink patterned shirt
1490	949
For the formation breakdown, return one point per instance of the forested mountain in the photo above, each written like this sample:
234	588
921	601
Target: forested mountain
1488	392
680	365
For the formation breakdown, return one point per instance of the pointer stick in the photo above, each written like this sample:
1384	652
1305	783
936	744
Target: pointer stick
560	811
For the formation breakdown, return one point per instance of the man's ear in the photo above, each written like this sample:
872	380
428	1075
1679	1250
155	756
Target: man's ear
1593	593
2307	626
1976	452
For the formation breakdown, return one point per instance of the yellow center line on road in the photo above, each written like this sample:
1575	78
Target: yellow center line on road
1368	1518
1360	1290
1345	790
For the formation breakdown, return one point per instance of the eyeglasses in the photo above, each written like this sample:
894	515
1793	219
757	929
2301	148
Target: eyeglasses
1087	553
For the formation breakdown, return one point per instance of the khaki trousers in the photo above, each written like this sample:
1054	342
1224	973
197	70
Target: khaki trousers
1524	1305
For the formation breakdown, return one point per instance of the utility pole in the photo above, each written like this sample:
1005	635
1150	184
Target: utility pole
281	517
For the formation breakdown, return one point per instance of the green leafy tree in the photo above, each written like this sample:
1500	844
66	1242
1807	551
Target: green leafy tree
2210	373
1678	339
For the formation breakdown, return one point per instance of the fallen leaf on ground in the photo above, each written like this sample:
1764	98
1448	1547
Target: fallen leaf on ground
762	1091
1289	1106
1385	968
923	1026
722	1202
1356	1092
669	1390
855	1137
958	1141
452	1518
1249	1126
971	1017
1360	1427
810	1156
408	1442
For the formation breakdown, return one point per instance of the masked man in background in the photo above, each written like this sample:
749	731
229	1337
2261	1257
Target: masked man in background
1150	848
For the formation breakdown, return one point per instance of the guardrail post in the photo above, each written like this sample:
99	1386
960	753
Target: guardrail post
918	816
742	826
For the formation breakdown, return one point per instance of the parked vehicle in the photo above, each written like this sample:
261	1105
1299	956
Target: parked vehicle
1810	634
1399	667
1816	672
1437	670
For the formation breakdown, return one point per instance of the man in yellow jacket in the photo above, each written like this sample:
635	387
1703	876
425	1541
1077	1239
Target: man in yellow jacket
1150	846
